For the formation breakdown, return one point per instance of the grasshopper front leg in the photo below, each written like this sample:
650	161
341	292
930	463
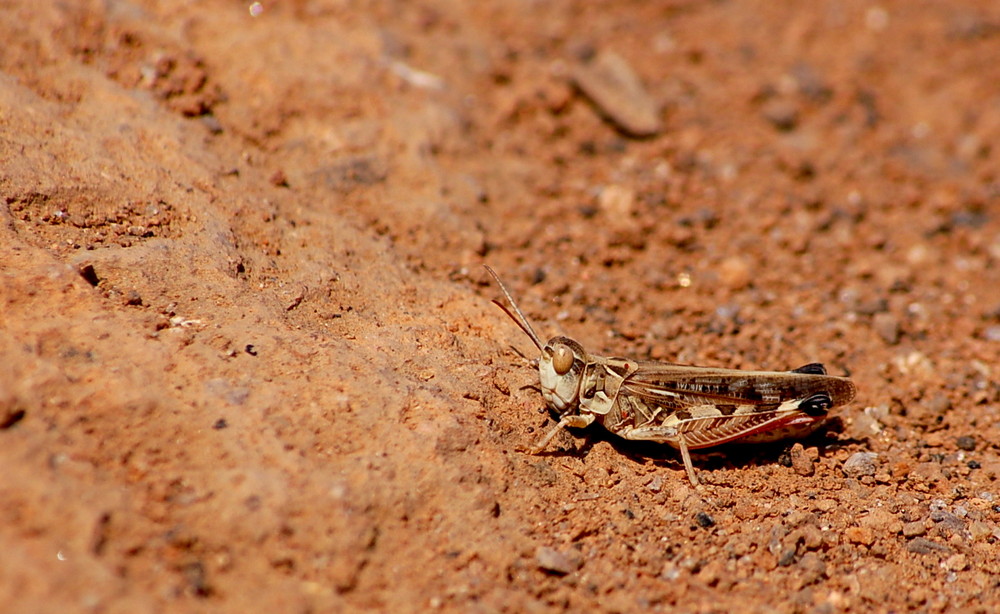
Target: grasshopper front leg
573	421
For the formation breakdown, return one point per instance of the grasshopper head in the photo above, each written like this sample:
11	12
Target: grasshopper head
560	370
560	365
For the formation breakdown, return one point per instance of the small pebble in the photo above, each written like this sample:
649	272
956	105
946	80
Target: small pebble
783	115
991	469
557	562
966	442
938	404
132	298
992	333
813	565
787	557
802	462
922	545
860	464
863	426
947	522
927	472
278	179
860	535
913	529
882	522
871	307
656	484
734	273
704	520
614	88
979	530
957	562
618	202
887	327
811	536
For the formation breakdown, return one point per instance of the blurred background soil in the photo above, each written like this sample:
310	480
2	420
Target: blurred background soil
248	360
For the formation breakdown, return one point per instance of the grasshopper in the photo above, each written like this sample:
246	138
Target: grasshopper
683	406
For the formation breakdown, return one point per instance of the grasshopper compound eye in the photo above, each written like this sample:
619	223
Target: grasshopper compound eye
562	359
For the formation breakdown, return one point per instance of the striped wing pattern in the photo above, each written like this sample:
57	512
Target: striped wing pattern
715	406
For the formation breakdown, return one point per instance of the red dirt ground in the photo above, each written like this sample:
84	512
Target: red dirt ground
250	361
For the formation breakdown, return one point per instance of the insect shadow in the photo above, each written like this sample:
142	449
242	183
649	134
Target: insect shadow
732	455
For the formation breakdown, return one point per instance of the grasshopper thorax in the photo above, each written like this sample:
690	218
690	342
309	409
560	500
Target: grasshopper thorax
560	371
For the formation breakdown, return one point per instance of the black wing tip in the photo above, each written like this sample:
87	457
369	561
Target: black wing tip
841	393
817	405
813	368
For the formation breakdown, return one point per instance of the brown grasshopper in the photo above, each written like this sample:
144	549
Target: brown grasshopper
683	406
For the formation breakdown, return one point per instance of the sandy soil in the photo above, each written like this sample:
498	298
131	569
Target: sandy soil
249	360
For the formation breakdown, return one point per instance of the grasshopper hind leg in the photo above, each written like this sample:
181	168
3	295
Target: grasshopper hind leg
686	457
667	435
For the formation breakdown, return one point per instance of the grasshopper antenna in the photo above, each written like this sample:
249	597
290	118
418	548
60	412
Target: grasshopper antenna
520	320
